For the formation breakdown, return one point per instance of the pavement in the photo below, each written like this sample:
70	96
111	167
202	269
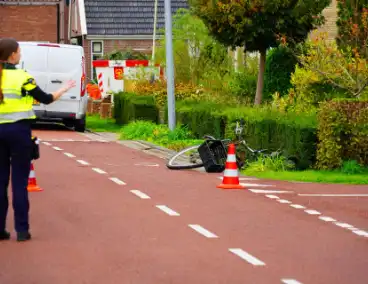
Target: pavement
111	212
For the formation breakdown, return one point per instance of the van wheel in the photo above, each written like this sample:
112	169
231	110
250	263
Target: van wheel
80	125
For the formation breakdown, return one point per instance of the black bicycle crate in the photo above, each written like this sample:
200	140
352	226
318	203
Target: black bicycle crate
213	154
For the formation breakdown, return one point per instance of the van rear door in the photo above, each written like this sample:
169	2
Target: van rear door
64	63
34	61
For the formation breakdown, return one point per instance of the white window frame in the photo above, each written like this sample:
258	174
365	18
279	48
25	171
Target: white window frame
95	53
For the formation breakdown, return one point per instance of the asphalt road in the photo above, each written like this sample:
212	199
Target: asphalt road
112	214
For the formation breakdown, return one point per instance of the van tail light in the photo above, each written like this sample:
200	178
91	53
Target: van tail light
83	79
83	86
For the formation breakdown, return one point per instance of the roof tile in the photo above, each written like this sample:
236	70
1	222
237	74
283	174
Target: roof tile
126	17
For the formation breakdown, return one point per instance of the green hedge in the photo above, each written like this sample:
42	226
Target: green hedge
264	129
130	107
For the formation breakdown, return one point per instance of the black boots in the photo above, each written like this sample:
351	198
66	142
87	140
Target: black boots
21	236
4	236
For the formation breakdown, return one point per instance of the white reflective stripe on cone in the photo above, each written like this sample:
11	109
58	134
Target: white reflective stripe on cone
230	173
231	158
32	174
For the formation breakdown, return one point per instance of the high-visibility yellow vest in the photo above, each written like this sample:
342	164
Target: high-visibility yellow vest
15	106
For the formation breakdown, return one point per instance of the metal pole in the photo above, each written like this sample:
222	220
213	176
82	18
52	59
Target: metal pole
169	66
154	33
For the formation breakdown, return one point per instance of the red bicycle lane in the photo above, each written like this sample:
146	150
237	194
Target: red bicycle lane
291	243
88	229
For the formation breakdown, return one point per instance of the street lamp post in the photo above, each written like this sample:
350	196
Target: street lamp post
169	66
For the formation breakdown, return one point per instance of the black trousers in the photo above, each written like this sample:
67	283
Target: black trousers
15	154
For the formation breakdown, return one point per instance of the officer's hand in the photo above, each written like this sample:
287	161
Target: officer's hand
70	84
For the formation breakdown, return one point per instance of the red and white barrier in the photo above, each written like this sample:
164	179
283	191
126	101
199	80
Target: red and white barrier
111	73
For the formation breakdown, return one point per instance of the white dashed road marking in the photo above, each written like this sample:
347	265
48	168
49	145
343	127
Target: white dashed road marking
327	219
312	212
361	233
247	257
343	225
69	155
272	196
167	210
297	206
97	170
290	281
83	162
117	181
57	149
140	194
203	231
46	143
283	201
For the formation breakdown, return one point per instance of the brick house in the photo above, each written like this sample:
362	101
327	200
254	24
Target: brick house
104	26
34	20
330	26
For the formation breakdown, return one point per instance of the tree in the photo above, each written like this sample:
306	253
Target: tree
260	24
196	52
353	25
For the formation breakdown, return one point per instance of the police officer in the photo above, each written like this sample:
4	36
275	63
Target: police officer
17	91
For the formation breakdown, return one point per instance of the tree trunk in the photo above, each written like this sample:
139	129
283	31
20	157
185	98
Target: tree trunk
262	63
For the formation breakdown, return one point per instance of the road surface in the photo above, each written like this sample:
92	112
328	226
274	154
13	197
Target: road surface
112	214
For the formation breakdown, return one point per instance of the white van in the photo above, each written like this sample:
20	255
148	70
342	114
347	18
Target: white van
52	65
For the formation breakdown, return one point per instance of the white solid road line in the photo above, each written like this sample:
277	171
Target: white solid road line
140	194
69	155
203	231
83	162
272	196
255	185
57	149
242	178
269	191
97	170
327	219
46	143
297	206
283	201
117	181
312	212
290	281
167	210
247	257
337	195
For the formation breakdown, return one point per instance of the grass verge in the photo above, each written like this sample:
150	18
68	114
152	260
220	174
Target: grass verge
97	124
158	134
311	176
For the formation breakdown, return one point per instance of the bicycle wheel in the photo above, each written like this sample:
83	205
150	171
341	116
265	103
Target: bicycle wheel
187	158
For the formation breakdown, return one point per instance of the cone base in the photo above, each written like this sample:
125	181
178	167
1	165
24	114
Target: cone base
33	188
231	186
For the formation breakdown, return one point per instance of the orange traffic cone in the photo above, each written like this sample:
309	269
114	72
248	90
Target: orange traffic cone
32	182
231	174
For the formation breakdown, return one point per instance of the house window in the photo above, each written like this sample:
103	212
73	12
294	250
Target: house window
97	53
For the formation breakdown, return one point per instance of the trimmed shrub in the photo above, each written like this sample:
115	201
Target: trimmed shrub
295	134
342	133
280	64
130	107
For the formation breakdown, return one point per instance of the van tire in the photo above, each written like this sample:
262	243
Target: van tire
80	125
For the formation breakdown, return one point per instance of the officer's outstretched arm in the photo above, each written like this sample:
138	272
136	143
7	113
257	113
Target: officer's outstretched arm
30	86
